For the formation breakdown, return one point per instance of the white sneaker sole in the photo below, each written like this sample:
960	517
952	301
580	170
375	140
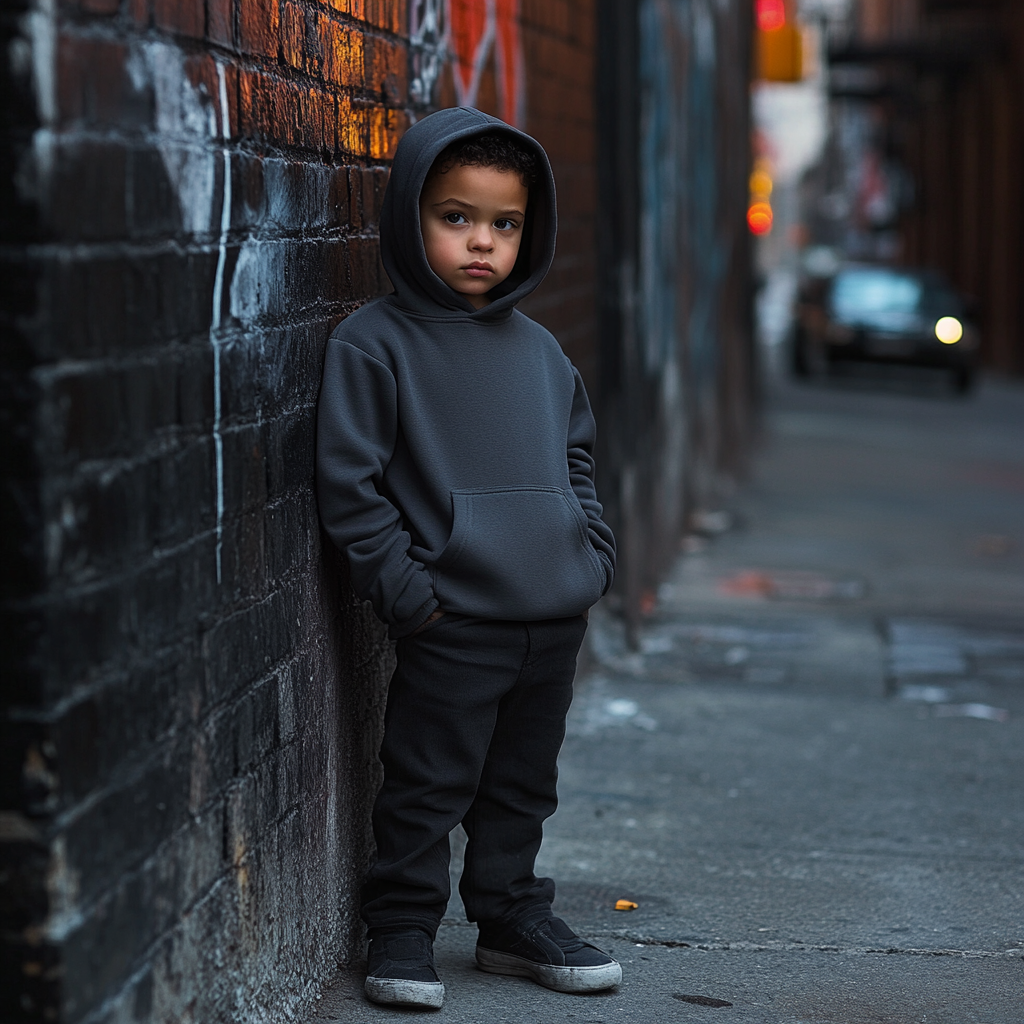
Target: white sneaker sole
561	979
399	992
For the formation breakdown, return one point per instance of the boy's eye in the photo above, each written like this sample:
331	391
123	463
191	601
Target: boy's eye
454	217
504	224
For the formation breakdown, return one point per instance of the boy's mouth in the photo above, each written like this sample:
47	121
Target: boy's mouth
477	269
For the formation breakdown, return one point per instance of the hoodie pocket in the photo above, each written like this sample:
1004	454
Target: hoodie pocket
518	553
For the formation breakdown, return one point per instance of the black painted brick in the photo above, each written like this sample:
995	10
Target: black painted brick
20	519
289	370
364	267
24	632
243	571
30	781
168	596
121	720
185	492
84	630
117	831
93	85
114	410
21	903
88	194
152	204
245	646
121	512
113	520
245	475
195	386
100	626
143	905
292	538
239	379
298	196
290	442
261	798
118	303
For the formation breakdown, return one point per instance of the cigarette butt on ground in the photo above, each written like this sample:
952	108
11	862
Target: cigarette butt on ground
626	905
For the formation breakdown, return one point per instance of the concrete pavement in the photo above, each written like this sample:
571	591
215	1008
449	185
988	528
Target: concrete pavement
811	778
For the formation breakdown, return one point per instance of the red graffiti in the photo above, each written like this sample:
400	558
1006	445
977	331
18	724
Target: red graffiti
481	31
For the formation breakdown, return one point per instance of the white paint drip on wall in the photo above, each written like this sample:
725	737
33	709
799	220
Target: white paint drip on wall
218	295
184	126
186	122
33	56
257	280
42	30
258	286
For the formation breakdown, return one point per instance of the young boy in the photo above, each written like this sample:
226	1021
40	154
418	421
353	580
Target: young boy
454	468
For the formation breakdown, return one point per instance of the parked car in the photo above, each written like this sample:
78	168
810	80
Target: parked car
884	315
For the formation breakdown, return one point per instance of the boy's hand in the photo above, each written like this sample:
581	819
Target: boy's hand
433	617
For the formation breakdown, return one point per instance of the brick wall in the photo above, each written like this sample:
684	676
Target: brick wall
190	746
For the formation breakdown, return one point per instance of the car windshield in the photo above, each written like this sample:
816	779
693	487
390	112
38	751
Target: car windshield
863	294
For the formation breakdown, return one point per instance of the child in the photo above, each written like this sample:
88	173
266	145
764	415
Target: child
454	468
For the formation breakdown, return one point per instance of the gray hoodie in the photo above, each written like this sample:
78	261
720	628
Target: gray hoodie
454	445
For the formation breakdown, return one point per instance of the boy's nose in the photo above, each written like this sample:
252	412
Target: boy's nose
482	240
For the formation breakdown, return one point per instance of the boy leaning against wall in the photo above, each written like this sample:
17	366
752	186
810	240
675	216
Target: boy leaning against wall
455	469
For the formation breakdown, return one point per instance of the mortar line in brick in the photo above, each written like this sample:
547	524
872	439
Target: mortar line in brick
126	878
134	767
131	772
201	245
200	897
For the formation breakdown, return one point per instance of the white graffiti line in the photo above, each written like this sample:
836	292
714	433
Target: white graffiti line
428	45
467	94
215	318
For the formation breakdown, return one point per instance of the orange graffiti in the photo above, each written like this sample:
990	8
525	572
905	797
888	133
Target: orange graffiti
482	32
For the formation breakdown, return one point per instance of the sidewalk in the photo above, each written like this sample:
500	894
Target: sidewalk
811	779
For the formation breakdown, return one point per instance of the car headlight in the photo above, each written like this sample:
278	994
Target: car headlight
949	330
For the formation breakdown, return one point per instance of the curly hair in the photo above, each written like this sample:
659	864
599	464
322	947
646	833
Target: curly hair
492	149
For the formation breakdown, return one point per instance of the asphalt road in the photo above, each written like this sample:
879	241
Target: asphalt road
811	778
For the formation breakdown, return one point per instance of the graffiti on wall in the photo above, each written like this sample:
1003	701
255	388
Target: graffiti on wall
481	42
428	50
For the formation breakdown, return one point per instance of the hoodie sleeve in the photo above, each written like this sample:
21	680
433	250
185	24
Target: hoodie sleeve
580	455
357	426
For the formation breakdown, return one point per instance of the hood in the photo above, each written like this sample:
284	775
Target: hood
417	287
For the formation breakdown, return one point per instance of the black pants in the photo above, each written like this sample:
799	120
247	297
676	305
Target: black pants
474	722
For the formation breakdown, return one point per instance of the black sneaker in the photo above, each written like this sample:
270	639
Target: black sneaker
400	971
548	951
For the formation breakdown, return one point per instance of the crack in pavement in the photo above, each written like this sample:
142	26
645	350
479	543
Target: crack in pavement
802	947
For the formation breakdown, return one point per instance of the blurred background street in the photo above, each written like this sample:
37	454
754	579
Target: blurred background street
809	777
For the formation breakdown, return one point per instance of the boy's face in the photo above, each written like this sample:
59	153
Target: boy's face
472	220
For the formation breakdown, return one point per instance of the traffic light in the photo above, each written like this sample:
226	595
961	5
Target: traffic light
780	43
759	211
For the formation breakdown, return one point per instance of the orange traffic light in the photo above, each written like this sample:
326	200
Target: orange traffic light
780	43
759	218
